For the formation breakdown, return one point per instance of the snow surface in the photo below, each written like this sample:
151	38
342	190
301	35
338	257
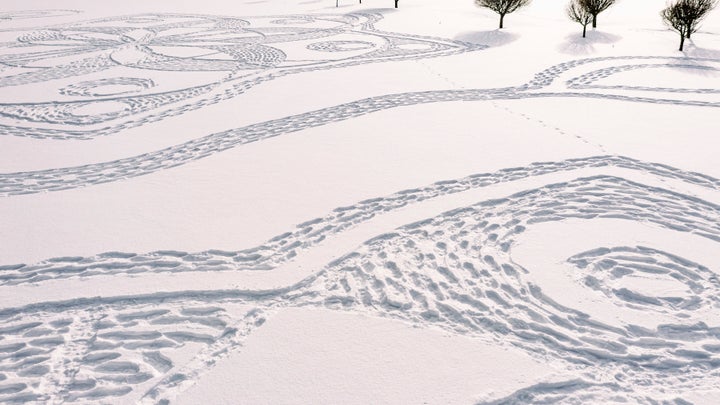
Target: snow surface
281	201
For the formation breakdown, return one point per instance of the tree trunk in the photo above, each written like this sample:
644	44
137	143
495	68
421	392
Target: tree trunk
682	41
584	30
396	2
337	2
502	17
594	20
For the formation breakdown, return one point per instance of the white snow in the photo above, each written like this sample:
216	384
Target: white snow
281	201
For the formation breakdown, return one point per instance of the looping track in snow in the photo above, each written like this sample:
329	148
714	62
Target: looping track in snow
227	55
151	162
287	246
453	271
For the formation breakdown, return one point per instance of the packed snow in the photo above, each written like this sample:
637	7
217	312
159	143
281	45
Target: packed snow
289	202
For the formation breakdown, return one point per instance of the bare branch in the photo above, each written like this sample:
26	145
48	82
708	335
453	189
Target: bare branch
595	7
684	16
502	7
577	12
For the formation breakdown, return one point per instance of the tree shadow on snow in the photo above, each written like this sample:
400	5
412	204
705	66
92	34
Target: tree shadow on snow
380	10
694	51
575	44
491	38
349	3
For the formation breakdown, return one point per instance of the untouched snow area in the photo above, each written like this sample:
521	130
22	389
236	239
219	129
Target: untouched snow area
285	202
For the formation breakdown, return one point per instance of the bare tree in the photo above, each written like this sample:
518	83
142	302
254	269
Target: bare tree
673	16
697	12
595	7
684	16
578	13
502	7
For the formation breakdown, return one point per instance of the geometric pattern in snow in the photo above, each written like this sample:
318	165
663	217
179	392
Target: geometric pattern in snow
191	60
453	271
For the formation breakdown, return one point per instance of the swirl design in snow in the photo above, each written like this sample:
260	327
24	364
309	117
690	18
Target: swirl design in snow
455	271
621	273
221	56
117	86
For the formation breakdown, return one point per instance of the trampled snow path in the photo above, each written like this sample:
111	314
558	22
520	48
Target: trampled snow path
287	246
238	55
453	270
98	173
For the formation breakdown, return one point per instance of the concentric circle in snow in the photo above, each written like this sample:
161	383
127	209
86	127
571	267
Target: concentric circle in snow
340	46
117	86
293	20
648	279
